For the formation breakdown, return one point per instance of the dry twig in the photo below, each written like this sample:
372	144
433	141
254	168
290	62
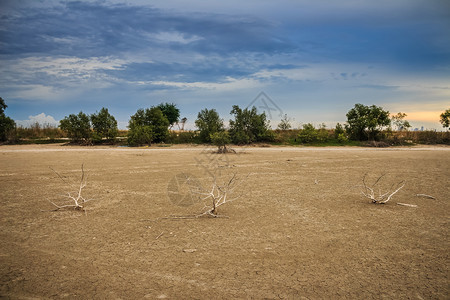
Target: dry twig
425	196
406	204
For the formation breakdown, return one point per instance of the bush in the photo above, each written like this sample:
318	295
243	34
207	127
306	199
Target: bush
338	130
140	135
322	134
221	139
342	138
308	134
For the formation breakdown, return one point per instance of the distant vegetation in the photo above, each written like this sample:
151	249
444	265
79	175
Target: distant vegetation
365	126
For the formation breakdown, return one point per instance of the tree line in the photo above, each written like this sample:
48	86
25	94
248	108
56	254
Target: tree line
152	125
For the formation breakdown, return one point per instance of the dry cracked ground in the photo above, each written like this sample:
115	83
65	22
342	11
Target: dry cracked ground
300	230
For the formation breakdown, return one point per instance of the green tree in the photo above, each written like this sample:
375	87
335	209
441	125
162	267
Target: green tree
221	139
399	121
445	119
104	125
285	123
208	122
365	122
171	112
78	127
248	126
147	126
6	123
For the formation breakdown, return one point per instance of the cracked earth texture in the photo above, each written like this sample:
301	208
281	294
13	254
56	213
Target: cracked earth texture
301	230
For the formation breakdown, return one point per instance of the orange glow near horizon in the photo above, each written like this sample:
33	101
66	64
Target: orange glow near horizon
424	116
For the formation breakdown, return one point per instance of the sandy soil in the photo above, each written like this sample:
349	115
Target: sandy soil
302	230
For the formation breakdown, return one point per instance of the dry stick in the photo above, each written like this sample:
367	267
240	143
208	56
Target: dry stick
159	235
406	204
425	196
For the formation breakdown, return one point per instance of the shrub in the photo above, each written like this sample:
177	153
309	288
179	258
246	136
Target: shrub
141	135
342	138
308	134
322	134
338	130
221	139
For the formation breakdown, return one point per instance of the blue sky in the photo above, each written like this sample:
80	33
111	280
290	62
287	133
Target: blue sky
314	59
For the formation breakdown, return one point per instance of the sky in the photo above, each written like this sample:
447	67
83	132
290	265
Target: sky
311	60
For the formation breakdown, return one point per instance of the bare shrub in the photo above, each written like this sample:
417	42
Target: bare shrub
76	201
217	194
374	192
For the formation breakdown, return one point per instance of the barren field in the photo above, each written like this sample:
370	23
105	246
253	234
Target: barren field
301	229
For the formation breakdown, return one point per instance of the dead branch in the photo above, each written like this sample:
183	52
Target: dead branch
425	196
380	197
77	199
406	204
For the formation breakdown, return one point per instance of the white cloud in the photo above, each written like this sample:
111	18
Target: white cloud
173	37
41	119
66	66
48	78
229	85
36	91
